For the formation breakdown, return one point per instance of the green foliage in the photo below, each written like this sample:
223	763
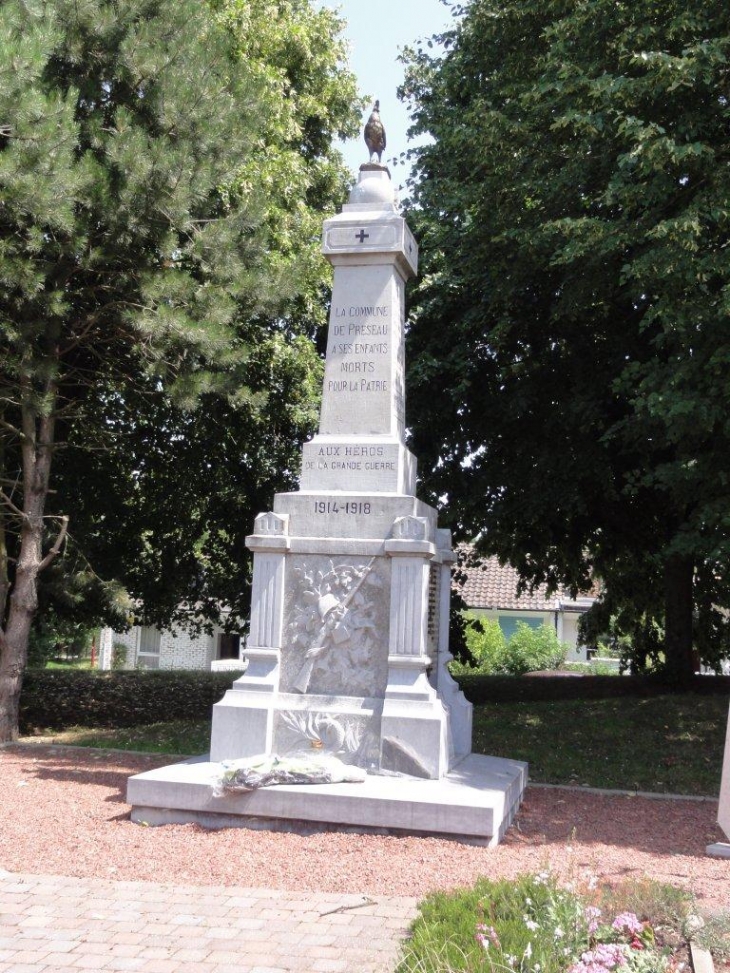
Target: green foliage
596	667
52	637
528	649
119	656
164	169
571	332
664	744
54	699
533	925
533	649
480	688
486	643
226	437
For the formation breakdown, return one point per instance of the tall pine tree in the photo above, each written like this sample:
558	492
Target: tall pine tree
130	244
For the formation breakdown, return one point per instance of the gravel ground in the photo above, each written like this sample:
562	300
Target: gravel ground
64	813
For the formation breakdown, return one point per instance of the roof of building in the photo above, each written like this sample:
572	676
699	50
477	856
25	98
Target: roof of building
489	584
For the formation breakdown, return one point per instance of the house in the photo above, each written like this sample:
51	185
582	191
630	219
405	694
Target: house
148	647
489	590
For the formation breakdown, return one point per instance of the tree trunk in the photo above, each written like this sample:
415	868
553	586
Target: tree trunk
678	611
37	451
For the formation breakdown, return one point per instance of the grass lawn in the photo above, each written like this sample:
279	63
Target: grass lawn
183	738
80	663
669	744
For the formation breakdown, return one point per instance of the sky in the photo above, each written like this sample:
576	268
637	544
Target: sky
377	30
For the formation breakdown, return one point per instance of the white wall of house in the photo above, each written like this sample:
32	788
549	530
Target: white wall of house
152	648
567	631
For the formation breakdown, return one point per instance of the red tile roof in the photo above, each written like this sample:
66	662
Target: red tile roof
491	585
488	584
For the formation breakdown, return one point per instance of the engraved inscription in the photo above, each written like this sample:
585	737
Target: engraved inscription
352	355
355	508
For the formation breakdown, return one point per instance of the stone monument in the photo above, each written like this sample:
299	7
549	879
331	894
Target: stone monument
348	644
721	849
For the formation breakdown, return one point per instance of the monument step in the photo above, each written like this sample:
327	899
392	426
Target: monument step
475	802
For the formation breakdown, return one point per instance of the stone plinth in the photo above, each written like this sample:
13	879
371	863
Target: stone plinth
721	849
476	802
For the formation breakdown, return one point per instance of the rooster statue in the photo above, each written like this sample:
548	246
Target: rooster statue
375	134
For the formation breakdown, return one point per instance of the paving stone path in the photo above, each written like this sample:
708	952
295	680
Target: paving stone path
51	923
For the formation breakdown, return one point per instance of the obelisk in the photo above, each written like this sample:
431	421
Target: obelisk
351	572
348	639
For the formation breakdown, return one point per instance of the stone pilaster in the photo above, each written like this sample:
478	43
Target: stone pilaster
414	726
243	721
460	709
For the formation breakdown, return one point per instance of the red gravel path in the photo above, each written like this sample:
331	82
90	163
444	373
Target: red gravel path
63	812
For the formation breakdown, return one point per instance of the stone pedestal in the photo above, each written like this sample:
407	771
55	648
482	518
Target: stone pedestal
352	558
348	646
721	849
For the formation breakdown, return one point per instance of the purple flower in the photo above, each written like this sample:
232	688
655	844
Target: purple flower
487	934
606	956
628	921
592	914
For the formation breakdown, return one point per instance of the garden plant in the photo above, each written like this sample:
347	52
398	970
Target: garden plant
527	650
535	925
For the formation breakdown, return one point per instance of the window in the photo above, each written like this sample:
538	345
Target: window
508	623
229	646
148	654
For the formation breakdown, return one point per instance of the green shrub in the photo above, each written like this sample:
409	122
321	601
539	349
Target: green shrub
52	638
528	650
532	650
56	698
119	656
486	643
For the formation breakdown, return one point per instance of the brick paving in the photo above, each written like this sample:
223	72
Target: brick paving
50	924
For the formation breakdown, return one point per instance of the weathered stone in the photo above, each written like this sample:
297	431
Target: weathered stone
348	644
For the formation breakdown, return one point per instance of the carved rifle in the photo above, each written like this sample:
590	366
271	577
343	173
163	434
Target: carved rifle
301	683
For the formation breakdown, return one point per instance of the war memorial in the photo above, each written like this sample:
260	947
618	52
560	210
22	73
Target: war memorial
348	641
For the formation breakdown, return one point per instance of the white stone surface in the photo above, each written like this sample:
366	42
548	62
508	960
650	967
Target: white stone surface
357	464
459	708
719	849
363	391
350	601
723	812
348	517
475	801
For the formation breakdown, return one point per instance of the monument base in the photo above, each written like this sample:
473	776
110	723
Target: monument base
475	802
720	849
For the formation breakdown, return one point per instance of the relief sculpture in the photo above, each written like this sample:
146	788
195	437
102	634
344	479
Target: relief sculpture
335	631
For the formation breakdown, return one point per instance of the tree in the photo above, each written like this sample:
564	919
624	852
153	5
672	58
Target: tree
163	497
134	242
572	331
138	461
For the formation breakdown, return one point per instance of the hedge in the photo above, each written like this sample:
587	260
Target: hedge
54	698
553	687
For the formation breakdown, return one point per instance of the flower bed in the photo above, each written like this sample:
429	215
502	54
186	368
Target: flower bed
533	925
